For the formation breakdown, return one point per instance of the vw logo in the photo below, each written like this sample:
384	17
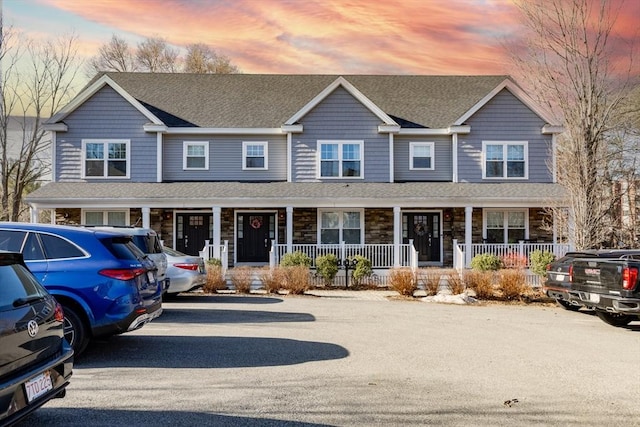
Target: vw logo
32	327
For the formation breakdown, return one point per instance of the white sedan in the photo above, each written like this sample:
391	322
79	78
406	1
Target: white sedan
185	272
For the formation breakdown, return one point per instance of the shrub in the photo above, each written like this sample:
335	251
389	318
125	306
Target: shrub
362	271
430	277
454	282
296	279
241	278
403	281
215	279
540	260
514	260
486	262
214	262
292	259
481	282
327	268
512	284
272	280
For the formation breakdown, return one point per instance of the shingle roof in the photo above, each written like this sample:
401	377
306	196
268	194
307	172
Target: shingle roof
279	194
269	100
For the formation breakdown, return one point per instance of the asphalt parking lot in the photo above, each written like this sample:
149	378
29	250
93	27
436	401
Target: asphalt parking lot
231	360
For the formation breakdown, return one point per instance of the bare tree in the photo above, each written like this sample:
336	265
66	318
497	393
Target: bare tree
36	81
568	62
116	55
202	59
156	56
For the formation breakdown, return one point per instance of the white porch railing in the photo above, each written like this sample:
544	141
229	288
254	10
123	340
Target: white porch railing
220	252
518	251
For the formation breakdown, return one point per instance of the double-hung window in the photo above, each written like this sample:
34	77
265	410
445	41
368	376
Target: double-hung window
505	226
340	159
195	155
421	156
111	217
254	155
341	226
504	159
105	158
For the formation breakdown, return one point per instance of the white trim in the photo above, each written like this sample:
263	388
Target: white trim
454	157
105	160
432	147
225	131
391	159
340	211
159	156
515	91
505	220
462	129
186	145
341	81
265	154
54	150
340	143
289	153
105	215
505	160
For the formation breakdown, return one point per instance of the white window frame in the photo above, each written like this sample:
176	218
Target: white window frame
105	215
340	212
340	144
505	161
505	229
185	148
105	142
412	147
265	146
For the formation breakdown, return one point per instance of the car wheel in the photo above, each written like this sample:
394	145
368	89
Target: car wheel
615	319
75	331
567	305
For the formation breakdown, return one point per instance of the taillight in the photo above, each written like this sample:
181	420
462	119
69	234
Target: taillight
58	314
571	273
187	266
629	278
122	273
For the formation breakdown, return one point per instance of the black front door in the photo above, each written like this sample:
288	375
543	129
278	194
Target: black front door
424	229
192	229
255	232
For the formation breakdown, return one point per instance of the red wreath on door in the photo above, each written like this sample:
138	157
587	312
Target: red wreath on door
256	222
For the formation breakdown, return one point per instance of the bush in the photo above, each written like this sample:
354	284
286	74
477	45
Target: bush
430	277
327	268
486	262
514	260
296	279
362	271
540	260
481	282
292	259
272	280
455	283
241	278
214	262
403	281
512	284
215	279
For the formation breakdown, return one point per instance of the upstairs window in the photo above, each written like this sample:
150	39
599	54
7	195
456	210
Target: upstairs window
504	159
340	159
105	158
195	155
254	156
421	156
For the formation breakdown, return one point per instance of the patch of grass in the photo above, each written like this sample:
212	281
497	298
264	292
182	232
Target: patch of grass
403	281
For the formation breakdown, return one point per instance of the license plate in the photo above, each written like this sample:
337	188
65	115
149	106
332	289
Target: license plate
38	386
559	277
150	277
594	298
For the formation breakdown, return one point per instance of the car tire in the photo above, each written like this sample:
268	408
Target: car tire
75	331
615	319
567	305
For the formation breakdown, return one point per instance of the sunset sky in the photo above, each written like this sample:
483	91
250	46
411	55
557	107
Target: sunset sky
304	36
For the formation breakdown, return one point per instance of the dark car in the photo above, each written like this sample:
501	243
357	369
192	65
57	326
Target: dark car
36	360
559	273
105	284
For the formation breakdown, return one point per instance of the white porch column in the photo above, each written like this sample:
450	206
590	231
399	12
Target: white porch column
289	229
52	216
34	213
397	235
468	234
217	219
146	220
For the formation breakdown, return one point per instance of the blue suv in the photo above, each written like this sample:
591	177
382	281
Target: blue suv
104	283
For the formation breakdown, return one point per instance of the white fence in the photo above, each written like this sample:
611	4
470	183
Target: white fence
516	252
220	252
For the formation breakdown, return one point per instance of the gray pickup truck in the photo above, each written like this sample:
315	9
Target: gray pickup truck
608	286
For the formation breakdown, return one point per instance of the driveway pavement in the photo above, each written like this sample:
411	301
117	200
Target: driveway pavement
343	360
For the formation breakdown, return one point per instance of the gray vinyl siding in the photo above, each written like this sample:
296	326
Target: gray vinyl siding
443	169
225	159
504	118
340	117
106	115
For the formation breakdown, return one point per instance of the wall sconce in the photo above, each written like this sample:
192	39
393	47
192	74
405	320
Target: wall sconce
447	216
167	215
281	215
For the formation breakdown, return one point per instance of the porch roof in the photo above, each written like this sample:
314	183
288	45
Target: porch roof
296	194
